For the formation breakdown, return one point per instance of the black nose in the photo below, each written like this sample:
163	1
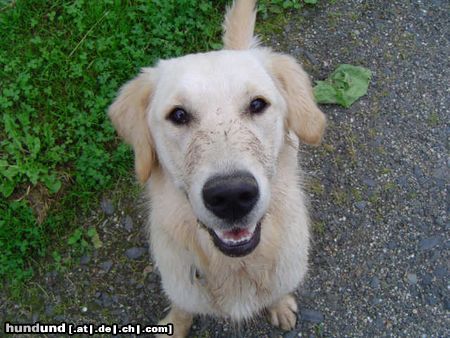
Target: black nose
231	197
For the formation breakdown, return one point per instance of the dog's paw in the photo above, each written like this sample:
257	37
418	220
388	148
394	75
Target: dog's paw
283	313
181	321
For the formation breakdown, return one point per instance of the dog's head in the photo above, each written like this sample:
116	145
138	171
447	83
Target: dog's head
216	122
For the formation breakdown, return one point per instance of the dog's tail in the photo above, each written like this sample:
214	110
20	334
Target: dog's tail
239	25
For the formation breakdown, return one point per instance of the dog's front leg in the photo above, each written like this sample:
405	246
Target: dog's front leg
283	313
181	321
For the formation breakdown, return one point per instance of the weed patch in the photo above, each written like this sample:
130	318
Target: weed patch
61	63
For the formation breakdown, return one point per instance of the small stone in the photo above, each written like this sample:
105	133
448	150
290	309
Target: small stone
440	221
84	309
35	318
107	207
106	300
361	205
441	272
297	51
441	173
429	243
135	253
148	269
402	181
311	58
375	301
379	323
85	259
290	334
392	245
375	283
127	223
369	182
431	300
427	279
312	316
106	266
412	278
49	309
447	304
417	171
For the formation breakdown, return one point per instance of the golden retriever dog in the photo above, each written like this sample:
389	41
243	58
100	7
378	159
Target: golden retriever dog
215	138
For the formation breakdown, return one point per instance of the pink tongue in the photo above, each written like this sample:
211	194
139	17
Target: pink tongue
236	233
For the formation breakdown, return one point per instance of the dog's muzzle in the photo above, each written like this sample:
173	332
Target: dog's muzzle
231	198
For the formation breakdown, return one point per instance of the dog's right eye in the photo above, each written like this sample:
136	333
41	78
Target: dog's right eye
179	116
257	106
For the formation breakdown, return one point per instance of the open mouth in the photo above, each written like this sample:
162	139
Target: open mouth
236	242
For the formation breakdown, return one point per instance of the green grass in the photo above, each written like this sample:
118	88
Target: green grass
61	64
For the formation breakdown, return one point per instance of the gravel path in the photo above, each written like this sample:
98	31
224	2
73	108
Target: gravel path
378	187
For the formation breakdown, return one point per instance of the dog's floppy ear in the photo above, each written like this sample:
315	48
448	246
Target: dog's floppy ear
128	115
304	117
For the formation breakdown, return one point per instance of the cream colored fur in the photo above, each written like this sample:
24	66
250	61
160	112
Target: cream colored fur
175	161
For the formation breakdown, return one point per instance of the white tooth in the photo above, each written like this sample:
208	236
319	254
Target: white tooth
221	235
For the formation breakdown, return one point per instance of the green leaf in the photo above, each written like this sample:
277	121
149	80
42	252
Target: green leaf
95	239
76	236
56	256
344	86
7	187
310	2
52	183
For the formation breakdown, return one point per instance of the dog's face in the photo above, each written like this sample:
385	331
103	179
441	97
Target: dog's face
215	123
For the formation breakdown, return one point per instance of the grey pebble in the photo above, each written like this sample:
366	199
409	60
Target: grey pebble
447	304
427	279
35	317
429	243
297	51
402	181
412	278
392	245
441	272
106	300
311	58
379	323
85	259
417	171
369	182
431	300
312	316
375	301
375	283
107	207
49	308
127	223
361	205
135	253
290	334
106	266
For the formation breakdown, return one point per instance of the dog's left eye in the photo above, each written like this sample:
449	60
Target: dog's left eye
257	106
179	116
